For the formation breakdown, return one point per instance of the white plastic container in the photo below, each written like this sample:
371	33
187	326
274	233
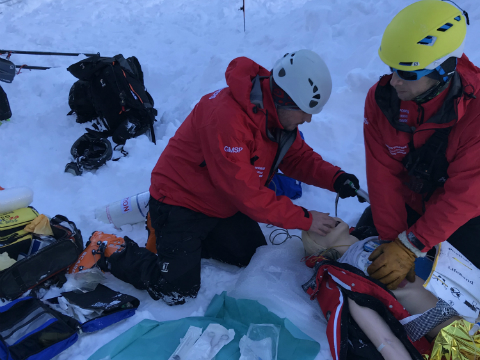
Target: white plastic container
130	210
15	198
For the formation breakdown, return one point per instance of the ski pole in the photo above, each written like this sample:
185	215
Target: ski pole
41	53
243	9
28	67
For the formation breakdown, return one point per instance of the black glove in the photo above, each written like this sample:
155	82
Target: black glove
363	232
345	190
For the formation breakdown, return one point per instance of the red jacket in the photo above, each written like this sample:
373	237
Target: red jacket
332	285
218	161
450	206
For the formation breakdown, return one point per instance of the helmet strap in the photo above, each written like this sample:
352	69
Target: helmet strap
432	92
443	74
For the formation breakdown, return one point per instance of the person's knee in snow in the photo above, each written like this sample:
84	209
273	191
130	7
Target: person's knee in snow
205	176
219	169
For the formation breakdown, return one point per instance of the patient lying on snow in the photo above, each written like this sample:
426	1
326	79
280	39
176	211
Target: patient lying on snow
429	314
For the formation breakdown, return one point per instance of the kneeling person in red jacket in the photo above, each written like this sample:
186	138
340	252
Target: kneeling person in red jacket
209	186
422	141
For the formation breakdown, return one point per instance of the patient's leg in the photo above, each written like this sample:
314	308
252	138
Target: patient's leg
414	297
417	300
378	332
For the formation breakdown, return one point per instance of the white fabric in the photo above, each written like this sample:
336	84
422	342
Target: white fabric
6	261
210	343
254	350
358	253
455	280
186	343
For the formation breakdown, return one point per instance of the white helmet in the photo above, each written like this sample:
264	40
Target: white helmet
304	76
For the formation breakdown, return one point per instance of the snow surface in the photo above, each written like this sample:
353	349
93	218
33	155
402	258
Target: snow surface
184	48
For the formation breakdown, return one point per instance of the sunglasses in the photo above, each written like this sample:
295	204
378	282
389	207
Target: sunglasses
411	75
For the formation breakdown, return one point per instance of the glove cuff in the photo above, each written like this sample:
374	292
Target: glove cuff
337	184
404	240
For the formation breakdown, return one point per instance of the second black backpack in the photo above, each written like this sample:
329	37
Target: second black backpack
81	102
5	111
118	95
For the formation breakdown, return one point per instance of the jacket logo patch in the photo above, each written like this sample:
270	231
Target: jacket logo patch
365	121
260	170
395	150
404	115
232	149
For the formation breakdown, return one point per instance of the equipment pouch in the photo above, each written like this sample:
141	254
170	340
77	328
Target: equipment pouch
427	166
12	225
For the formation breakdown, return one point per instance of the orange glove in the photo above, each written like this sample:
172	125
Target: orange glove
392	262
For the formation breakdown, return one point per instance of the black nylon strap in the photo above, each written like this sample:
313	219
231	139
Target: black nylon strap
18	279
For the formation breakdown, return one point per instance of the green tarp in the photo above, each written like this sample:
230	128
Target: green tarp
151	339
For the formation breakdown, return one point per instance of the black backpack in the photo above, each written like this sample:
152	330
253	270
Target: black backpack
118	95
81	102
5	111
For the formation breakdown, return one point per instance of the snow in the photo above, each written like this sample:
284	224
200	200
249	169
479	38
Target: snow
184	48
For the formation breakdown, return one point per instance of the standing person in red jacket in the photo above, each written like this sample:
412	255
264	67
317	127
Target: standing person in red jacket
209	187
422	141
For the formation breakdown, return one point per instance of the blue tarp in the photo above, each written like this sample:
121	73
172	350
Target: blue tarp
151	339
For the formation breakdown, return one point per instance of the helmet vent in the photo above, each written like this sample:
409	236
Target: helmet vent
314	103
405	63
458	18
291	56
429	41
445	27
281	72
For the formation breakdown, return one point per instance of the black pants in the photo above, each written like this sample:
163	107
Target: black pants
466	239
183	237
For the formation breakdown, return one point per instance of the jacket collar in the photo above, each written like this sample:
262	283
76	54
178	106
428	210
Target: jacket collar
389	103
248	82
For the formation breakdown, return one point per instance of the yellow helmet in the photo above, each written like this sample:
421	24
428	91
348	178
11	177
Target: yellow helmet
423	36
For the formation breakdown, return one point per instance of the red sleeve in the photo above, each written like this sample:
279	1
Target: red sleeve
459	200
383	172
232	174
304	164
